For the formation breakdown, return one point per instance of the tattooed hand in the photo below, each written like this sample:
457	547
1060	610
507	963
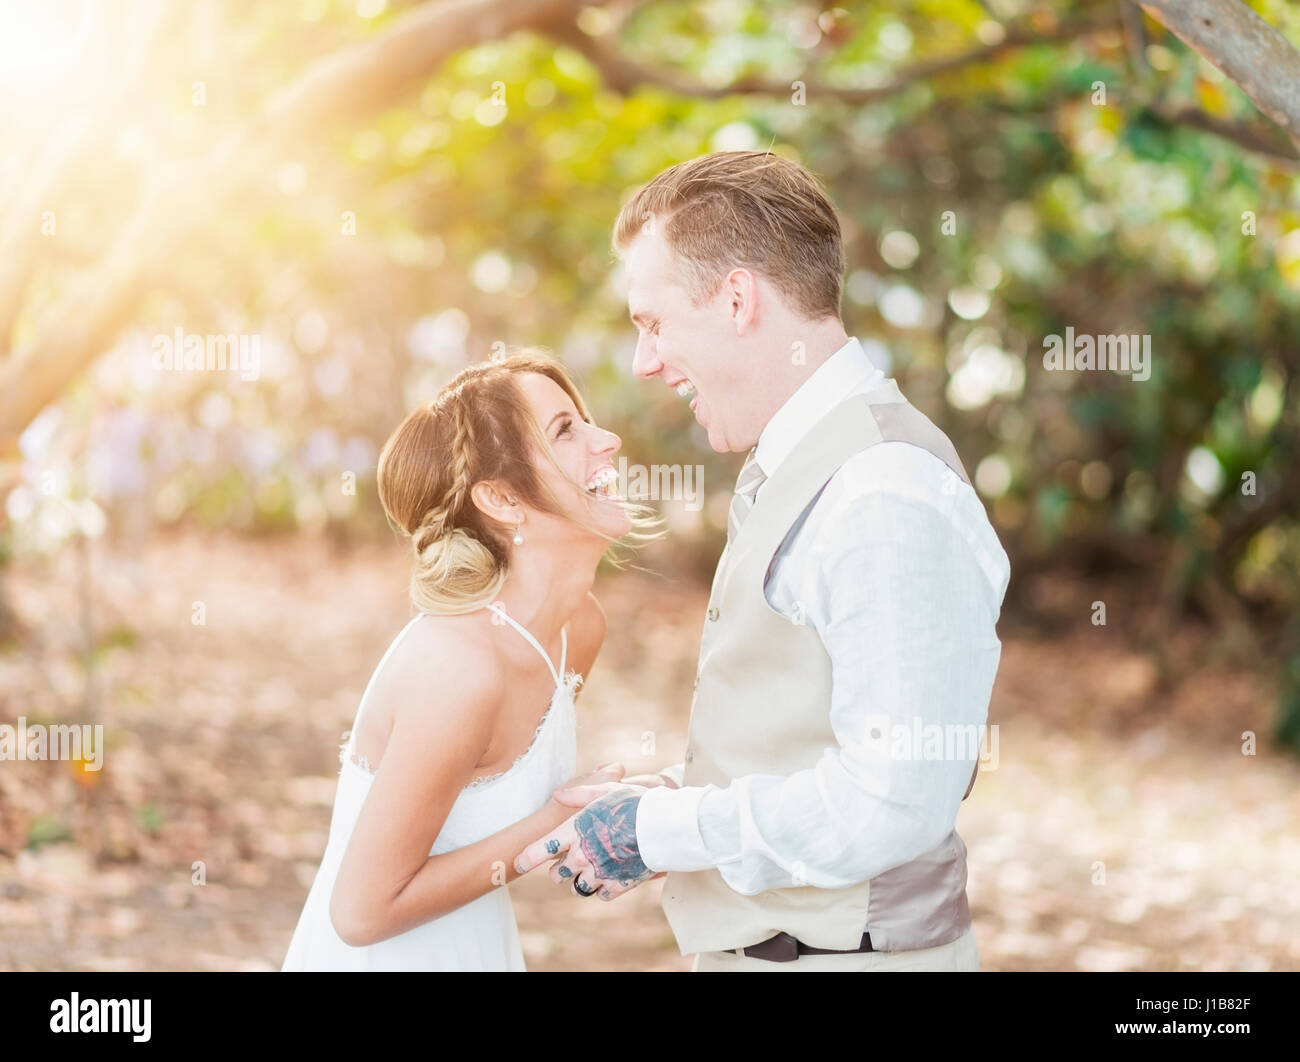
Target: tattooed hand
597	847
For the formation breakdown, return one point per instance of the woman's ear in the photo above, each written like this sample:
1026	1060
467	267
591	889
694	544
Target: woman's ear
495	501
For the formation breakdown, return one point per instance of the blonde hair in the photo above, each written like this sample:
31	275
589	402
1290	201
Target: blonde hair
476	429
744	208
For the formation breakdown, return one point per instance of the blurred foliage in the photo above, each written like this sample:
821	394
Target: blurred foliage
46	830
984	209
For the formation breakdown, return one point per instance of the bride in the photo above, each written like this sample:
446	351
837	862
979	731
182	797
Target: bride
506	488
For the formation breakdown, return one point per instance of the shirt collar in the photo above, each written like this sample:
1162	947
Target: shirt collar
846	372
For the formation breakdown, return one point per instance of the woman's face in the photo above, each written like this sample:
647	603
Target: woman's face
587	490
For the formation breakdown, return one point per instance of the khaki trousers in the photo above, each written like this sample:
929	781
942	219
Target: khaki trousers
960	954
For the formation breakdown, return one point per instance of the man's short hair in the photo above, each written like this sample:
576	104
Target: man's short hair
744	208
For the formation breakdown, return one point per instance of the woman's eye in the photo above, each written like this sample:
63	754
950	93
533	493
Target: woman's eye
566	429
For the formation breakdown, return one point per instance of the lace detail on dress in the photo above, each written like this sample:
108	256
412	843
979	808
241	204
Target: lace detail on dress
572	683
357	761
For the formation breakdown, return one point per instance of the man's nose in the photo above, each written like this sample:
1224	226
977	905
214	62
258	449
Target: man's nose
645	361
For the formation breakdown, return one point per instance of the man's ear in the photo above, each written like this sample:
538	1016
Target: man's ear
496	501
741	287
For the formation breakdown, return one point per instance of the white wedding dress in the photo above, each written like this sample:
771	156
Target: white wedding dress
481	935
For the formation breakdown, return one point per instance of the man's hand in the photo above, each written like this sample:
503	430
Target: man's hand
597	847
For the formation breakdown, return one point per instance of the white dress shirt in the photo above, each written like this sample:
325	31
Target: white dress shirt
896	566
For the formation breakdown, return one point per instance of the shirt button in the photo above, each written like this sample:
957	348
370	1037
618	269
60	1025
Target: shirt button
696	684
690	756
713	613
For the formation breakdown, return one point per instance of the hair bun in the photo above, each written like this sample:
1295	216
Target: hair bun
453	566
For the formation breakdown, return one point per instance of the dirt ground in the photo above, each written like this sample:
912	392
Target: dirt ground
1122	828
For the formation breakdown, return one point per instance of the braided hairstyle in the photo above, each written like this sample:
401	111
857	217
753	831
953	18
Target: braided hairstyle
476	429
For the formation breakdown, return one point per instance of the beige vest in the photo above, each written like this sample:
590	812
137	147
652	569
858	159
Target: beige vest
762	705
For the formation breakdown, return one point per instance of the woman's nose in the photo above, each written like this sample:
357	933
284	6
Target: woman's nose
608	442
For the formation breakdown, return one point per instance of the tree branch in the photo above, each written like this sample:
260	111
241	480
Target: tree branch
622	74
1244	47
1135	38
358	78
1250	137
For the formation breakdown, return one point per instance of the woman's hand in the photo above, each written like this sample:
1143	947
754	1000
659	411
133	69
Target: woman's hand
648	781
606	772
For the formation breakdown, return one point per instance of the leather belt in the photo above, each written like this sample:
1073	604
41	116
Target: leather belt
785	948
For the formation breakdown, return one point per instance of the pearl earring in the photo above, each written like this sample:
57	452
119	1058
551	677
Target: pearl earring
518	539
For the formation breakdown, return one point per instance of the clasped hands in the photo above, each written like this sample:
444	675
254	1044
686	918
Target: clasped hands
595	849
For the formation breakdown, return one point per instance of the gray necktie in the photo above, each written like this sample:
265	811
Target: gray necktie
747	483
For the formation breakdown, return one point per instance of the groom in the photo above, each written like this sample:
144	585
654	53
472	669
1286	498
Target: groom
853	610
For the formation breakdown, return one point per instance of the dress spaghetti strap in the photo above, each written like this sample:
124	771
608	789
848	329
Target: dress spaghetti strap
558	676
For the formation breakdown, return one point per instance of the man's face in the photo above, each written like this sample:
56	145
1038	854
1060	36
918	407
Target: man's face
694	349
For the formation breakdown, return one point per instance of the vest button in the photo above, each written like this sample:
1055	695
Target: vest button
713	613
